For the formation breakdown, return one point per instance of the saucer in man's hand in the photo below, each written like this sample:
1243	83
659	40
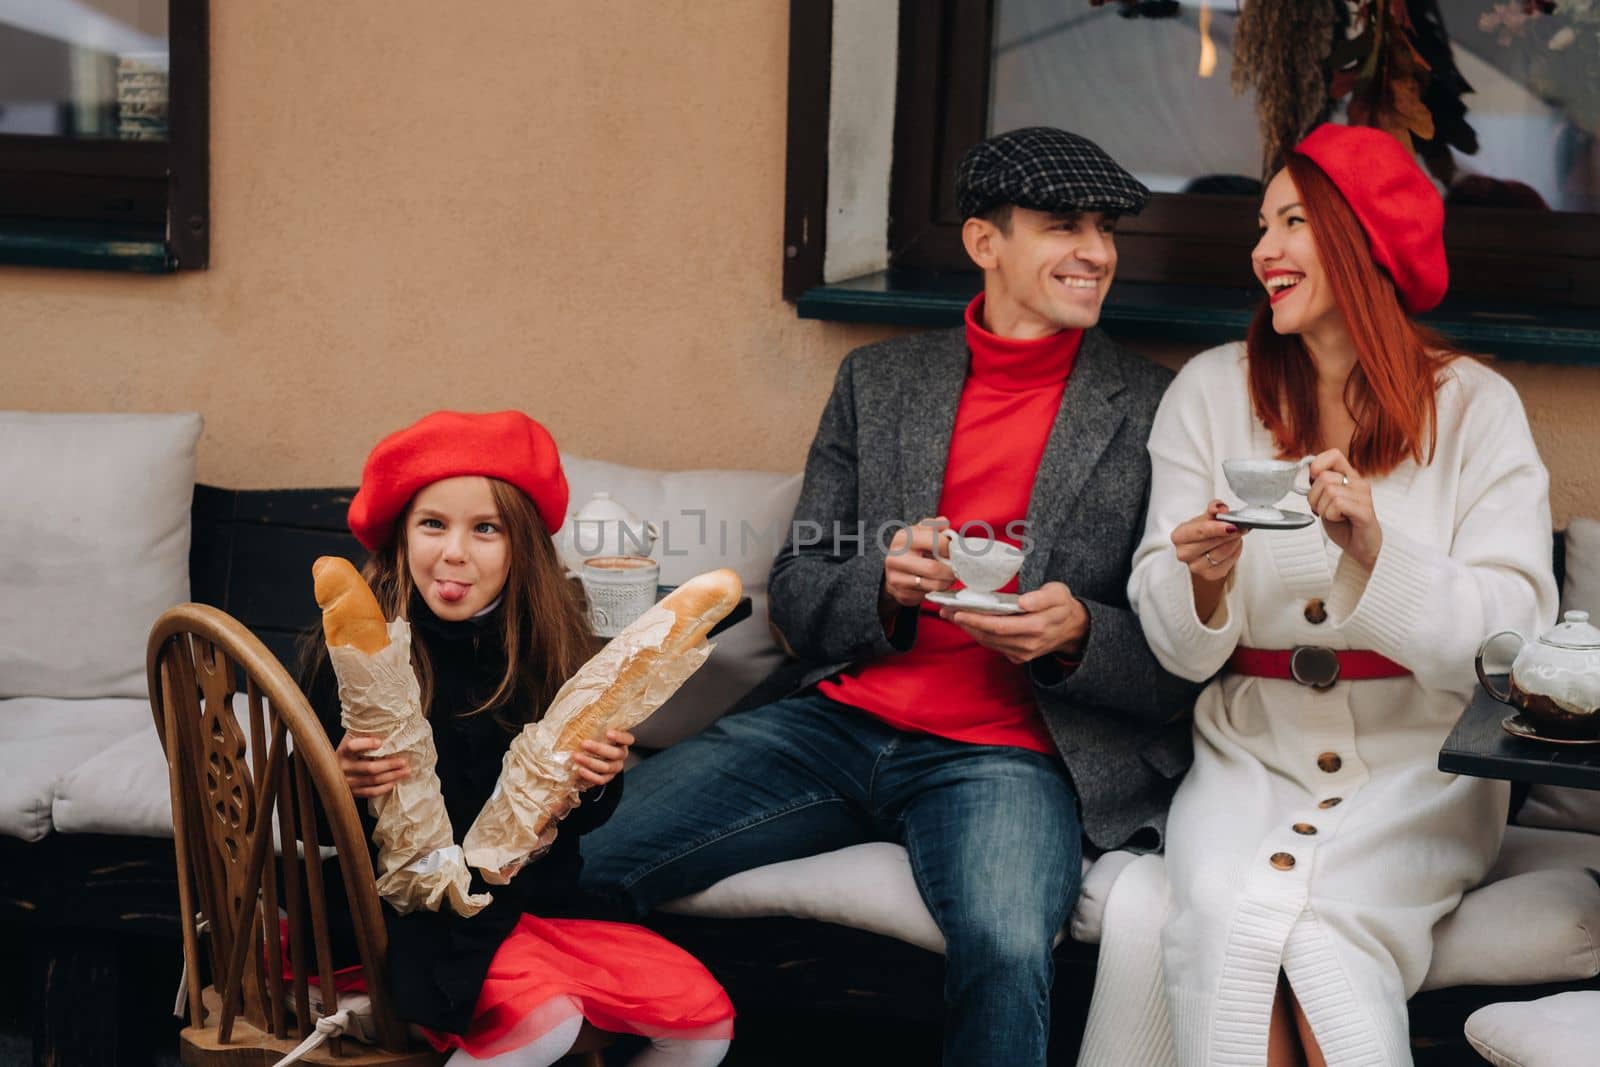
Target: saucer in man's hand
978	603
1285	520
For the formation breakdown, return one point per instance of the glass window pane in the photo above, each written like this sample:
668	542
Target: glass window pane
1140	88
93	69
1132	86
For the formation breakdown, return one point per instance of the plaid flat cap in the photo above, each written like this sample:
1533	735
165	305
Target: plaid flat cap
1044	169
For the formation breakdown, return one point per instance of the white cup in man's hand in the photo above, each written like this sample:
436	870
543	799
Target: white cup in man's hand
981	563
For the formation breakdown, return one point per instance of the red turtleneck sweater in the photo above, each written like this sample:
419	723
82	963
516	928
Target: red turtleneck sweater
947	684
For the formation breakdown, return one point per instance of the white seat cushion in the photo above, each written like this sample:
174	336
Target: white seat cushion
1531	849
1537	918
122	790
42	741
1558	1031
708	519
102	504
1539	926
868	887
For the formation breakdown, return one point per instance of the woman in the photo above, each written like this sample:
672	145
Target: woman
1313	845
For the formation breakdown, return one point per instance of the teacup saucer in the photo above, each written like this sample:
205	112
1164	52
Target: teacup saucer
1517	726
978	603
1288	520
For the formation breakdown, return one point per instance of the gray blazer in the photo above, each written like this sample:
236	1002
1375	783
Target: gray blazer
1119	721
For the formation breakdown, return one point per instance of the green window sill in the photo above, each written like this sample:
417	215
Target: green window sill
84	246
1200	316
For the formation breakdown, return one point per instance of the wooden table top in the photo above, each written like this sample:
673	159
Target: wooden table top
1479	746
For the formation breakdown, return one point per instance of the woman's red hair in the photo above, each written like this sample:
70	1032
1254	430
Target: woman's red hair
1391	391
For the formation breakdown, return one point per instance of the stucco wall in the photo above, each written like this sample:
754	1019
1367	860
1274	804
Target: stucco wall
575	209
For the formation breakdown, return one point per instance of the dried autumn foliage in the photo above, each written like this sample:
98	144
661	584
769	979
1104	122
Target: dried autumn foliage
1280	49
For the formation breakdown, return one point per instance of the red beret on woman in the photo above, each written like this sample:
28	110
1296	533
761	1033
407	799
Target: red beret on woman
1396	204
507	445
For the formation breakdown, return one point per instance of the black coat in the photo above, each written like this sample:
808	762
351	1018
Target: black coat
437	960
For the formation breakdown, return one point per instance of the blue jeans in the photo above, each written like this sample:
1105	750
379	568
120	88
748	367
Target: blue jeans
992	831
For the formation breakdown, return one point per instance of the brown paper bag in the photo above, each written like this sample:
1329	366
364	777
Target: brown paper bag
419	863
538	782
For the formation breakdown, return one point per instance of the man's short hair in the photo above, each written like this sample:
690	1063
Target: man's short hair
999	216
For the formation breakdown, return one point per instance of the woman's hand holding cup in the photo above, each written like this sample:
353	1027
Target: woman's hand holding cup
1342	499
1210	548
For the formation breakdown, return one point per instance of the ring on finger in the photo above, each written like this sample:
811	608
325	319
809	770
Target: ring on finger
1210	560
918	579
1346	480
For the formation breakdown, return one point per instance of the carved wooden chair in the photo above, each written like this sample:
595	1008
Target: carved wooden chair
231	784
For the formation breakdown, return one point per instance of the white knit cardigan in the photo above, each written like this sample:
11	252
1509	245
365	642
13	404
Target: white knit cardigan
1314	832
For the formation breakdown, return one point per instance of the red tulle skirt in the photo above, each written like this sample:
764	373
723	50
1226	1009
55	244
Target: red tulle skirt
623	978
620	977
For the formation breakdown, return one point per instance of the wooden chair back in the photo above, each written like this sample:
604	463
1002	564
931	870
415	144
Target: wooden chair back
232	783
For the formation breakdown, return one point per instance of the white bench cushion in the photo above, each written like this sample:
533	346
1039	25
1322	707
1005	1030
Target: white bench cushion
101	503
1540	926
1537	918
122	790
43	741
1557	1031
868	887
745	516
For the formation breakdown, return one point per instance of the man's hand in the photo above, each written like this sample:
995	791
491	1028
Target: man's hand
1054	622
917	564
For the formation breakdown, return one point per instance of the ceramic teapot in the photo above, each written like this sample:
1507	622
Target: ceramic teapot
1555	681
603	527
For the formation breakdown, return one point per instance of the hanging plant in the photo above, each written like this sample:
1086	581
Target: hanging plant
1395	65
1280	49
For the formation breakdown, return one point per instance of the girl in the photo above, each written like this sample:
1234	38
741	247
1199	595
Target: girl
458	512
1314	843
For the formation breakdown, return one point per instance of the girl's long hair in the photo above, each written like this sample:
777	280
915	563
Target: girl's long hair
1391	393
543	628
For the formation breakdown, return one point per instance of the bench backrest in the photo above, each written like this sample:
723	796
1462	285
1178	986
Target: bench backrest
251	556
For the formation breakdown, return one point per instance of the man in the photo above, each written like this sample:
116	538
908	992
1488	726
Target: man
990	745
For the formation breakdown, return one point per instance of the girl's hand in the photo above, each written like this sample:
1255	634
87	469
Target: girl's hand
1343	500
1210	549
600	762
368	777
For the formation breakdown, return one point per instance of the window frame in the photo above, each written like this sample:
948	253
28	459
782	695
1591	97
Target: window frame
1502	256
74	191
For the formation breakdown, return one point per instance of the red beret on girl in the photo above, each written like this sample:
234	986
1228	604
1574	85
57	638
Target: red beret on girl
1395	202
506	445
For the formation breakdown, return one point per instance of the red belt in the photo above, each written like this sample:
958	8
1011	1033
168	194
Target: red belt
1314	665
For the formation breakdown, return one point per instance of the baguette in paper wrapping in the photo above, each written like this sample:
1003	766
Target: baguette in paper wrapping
616	690
419	864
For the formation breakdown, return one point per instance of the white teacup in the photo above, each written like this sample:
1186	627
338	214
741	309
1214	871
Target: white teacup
1261	483
619	589
982	563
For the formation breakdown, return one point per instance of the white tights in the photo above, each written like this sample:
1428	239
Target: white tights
662	1052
